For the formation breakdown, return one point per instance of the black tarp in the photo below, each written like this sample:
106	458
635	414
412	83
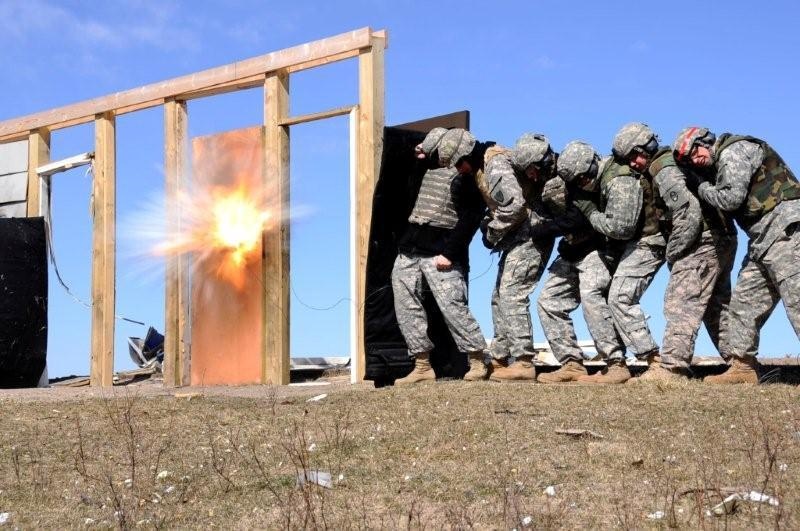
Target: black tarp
23	301
393	200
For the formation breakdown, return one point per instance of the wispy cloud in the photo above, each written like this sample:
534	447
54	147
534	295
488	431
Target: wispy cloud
138	24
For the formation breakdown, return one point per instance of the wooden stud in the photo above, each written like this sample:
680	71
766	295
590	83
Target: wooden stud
38	155
103	251
177	343
370	149
275	367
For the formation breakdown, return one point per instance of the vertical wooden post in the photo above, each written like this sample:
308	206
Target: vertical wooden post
38	155
103	251
370	149
275	366
177	344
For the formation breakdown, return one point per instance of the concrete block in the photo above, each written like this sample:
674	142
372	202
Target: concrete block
13	187
14	157
14	210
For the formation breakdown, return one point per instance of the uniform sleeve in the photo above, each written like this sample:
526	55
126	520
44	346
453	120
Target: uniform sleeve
623	208
507	193
736	166
684	208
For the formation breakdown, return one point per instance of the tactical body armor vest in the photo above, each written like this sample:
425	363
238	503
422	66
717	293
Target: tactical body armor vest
653	208
611	171
435	205
712	217
771	184
650	222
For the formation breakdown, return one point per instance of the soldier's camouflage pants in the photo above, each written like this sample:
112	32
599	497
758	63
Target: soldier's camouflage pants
761	284
519	270
412	276
637	267
699	290
585	282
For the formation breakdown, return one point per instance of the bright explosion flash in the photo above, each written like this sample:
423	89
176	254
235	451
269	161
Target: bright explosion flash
221	226
237	225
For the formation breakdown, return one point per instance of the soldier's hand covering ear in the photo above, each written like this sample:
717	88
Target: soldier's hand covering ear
693	180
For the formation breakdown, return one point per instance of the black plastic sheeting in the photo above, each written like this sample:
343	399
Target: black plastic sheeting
395	193
23	301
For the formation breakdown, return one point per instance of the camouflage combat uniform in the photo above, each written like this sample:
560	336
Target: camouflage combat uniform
520	229
580	275
700	253
630	215
754	183
444	219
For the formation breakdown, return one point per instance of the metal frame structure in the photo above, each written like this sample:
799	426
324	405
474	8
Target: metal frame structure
272	72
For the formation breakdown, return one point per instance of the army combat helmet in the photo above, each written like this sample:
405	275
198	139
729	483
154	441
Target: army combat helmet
454	145
688	139
578	163
533	151
633	138
430	143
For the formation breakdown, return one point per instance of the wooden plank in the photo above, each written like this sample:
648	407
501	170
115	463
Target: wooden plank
177	346
103	251
304	118
276	236
224	77
38	155
370	148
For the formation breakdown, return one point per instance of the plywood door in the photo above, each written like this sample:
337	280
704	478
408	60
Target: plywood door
226	313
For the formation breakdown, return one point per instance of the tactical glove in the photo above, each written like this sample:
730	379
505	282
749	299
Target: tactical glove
586	206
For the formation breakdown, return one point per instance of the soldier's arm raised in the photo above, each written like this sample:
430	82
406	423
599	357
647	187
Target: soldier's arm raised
687	218
736	166
623	208
511	209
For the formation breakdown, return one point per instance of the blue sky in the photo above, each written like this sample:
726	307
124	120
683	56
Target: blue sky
571	70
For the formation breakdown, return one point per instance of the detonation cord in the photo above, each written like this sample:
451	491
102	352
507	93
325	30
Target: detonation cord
52	253
374	292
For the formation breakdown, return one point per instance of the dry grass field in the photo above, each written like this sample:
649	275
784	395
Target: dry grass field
444	455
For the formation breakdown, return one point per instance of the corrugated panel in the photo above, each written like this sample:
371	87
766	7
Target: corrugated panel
13	187
14	210
14	157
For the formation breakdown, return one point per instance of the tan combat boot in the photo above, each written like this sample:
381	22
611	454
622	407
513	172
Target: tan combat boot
477	368
422	371
569	372
653	359
521	370
658	373
615	373
741	370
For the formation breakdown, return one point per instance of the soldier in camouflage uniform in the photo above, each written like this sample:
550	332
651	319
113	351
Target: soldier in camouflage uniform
746	176
700	253
433	252
629	214
581	275
518	227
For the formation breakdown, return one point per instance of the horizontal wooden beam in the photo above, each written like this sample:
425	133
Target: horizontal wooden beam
304	118
235	76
